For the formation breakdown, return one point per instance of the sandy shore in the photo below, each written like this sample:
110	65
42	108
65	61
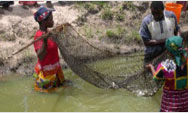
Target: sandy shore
17	30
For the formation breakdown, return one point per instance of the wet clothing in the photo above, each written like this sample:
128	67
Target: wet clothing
49	82
48	70
175	89
152	30
174	101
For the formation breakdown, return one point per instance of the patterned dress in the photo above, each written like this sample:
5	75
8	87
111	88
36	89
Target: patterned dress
49	72
175	90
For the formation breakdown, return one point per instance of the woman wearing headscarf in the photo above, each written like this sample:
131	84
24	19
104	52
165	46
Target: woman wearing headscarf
174	74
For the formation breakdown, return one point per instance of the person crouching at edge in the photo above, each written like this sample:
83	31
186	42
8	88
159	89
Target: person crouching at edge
49	74
174	75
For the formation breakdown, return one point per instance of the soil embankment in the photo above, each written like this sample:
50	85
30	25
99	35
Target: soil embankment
116	24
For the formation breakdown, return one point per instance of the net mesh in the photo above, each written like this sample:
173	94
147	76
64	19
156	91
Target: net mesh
105	67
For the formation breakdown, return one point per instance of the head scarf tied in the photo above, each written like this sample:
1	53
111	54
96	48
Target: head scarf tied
174	46
42	13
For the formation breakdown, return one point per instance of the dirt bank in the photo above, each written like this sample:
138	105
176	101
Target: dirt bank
17	30
116	24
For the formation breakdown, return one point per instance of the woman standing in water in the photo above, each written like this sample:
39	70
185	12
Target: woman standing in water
48	69
175	77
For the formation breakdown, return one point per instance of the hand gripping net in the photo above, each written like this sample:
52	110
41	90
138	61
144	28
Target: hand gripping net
102	66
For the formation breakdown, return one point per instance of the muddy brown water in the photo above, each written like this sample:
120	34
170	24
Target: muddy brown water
17	95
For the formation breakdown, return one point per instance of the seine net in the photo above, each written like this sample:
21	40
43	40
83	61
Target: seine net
105	67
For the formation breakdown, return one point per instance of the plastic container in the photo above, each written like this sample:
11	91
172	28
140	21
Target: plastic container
176	8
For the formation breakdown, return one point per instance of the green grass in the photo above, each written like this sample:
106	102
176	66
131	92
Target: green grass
91	8
111	34
134	36
91	4
107	14
7	37
121	33
120	17
117	33
88	31
101	3
129	5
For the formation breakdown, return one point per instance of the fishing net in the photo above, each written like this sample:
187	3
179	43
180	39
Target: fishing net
105	67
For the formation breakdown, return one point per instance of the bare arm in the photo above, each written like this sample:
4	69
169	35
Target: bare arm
155	42
151	67
178	33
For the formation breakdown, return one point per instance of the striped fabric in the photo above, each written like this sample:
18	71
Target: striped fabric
175	89
174	101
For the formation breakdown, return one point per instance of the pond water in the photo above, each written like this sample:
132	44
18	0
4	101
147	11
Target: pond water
17	95
119	66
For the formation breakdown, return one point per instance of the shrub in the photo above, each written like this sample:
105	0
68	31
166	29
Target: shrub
107	14
136	36
92	8
129	5
117	33
111	34
120	17
88	31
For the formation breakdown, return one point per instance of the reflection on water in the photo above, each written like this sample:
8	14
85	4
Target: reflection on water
17	94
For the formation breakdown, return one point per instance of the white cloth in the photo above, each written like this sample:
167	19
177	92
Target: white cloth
168	26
